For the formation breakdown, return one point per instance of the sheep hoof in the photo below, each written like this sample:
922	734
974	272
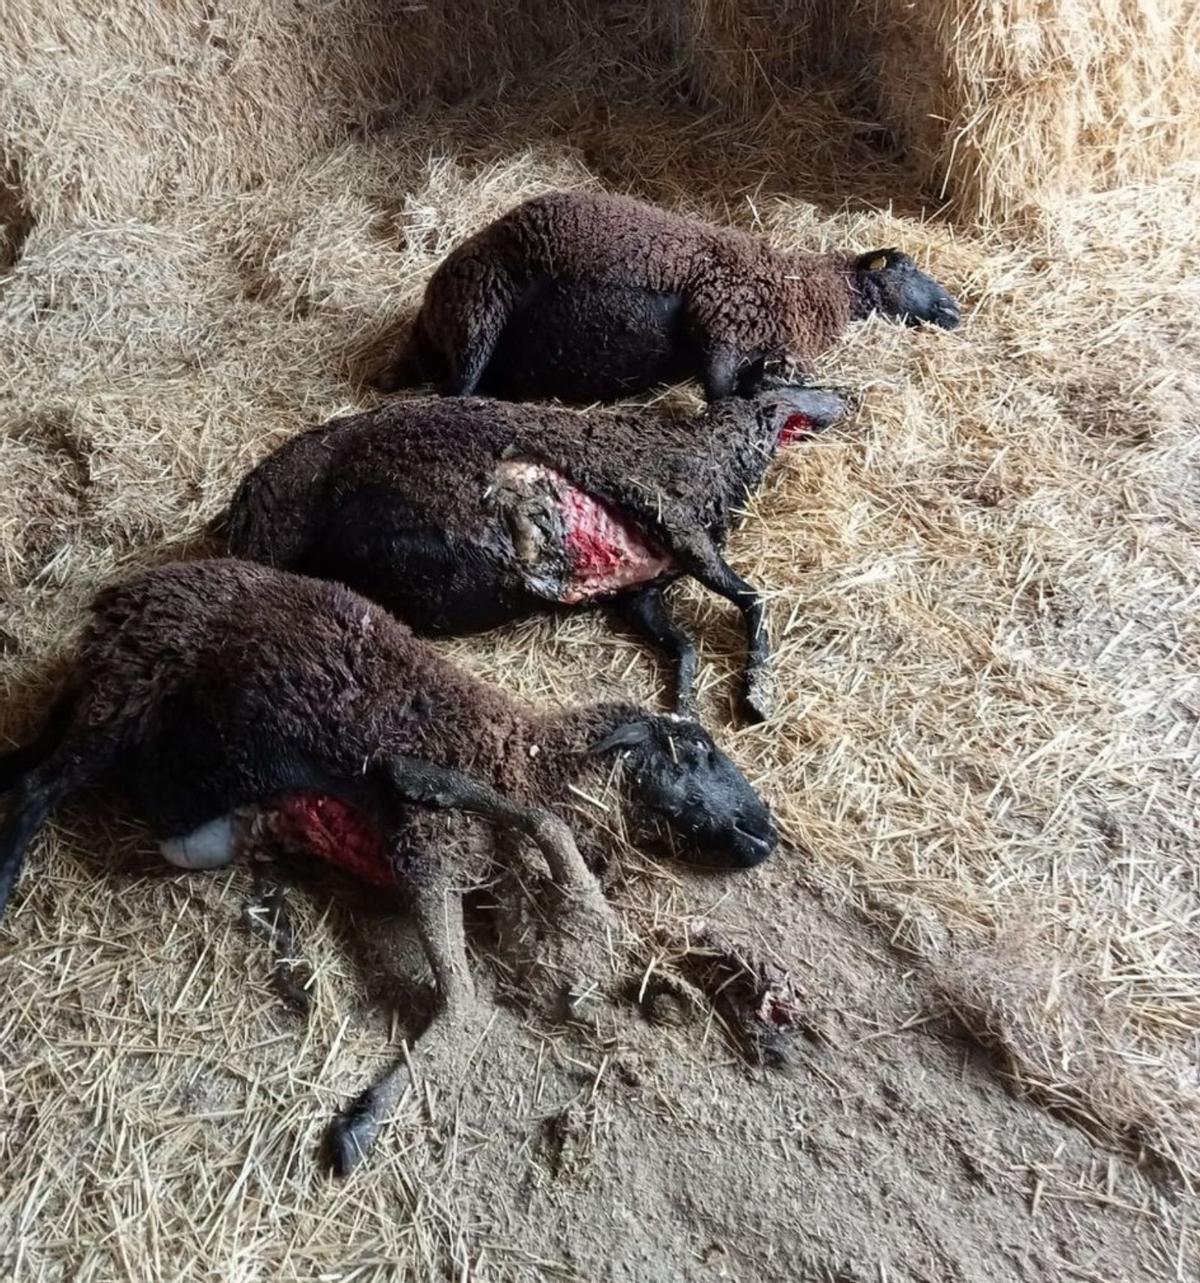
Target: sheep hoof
760	696
352	1134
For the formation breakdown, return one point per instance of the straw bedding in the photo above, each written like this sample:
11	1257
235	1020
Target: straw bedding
1001	108
985	596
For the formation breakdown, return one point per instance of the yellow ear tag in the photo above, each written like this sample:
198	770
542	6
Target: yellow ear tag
878	264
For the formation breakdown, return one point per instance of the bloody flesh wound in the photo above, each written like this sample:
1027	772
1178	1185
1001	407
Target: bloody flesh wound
572	546
797	426
605	550
334	832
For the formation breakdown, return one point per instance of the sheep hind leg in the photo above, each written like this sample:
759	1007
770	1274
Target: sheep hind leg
646	611
481	318
438	910
700	557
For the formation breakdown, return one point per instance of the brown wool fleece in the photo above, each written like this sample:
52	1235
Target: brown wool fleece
739	290
320	667
673	474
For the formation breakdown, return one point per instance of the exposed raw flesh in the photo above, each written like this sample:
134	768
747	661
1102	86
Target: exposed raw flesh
332	831
797	426
571	545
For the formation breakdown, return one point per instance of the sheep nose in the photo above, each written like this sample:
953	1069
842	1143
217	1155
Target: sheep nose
755	837
946	315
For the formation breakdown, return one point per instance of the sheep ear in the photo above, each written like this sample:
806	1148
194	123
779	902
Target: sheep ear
876	260
628	736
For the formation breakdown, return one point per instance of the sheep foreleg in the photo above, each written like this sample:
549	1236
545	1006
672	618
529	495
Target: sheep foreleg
438	910
416	780
485	301
646	611
700	557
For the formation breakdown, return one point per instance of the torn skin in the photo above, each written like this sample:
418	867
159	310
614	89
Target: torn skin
575	547
796	427
571	546
335	833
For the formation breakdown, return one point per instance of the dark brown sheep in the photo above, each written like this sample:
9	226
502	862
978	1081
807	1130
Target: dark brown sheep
212	692
458	515
592	297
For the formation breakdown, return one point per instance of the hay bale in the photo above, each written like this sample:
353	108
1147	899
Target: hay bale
1002	108
1005	107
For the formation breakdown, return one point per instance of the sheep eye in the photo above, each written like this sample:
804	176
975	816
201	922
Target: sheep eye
878	263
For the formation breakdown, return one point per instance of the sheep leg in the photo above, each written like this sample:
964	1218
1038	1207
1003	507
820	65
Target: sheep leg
646	611
428	784
721	362
438	910
483	310
467	367
700	557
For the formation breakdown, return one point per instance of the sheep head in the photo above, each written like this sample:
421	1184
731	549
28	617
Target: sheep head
891	283
688	796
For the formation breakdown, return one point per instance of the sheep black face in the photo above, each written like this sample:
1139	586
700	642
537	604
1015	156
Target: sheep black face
692	796
891	283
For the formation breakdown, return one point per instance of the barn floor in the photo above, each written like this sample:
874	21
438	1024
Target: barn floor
985	594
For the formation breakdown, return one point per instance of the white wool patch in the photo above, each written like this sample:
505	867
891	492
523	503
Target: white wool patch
211	846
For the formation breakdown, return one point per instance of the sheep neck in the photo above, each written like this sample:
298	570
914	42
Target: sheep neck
825	296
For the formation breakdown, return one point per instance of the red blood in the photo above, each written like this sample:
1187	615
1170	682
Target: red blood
335	832
591	553
797	425
606	550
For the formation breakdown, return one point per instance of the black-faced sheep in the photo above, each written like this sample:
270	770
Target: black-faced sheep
458	515
207	688
593	297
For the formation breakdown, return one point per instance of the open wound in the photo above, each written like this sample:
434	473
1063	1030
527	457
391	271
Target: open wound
332	831
570	545
797	426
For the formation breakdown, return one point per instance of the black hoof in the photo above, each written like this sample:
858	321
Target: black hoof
351	1136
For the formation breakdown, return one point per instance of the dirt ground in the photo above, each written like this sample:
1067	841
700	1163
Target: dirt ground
984	597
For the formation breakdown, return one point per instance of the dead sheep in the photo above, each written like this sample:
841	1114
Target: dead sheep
459	515
217	693
587	297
